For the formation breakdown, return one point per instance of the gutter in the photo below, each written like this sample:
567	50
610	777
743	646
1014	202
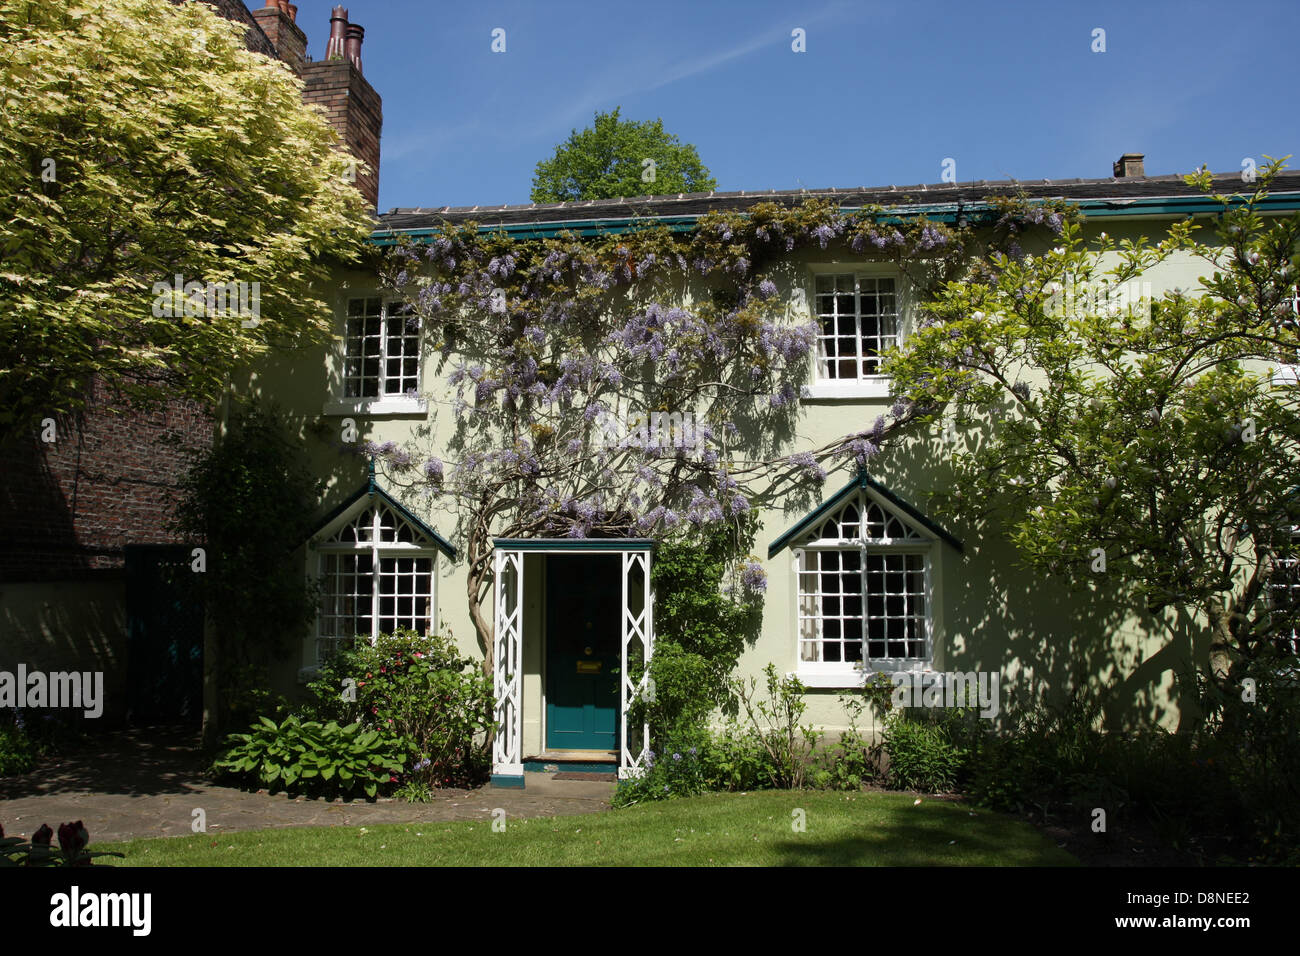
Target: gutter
1159	206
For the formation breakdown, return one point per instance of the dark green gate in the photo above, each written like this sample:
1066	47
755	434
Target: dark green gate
165	631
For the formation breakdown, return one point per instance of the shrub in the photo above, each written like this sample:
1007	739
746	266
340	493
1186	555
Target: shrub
774	725
17	752
852	762
417	691
925	754
677	770
706	610
307	756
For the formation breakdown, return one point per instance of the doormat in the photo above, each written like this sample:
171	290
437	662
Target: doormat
579	775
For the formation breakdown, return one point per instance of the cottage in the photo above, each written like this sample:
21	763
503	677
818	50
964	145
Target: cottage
861	581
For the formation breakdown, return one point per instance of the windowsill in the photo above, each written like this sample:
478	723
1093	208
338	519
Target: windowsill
853	677
871	388
1286	375
390	405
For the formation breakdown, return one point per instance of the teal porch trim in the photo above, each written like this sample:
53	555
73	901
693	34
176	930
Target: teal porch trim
508	781
373	488
574	544
861	482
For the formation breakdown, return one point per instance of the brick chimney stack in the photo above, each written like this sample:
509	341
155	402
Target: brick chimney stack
1129	166
278	21
350	103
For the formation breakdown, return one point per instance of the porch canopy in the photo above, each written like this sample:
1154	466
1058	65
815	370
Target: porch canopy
637	640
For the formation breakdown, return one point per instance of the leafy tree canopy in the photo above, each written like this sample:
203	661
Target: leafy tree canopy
141	141
1142	442
617	157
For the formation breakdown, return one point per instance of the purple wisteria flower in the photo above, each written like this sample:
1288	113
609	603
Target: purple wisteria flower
766	289
752	577
806	462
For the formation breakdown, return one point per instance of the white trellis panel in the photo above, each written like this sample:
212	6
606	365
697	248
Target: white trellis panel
507	671
638	627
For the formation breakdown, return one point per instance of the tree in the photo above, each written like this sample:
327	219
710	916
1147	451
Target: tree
1119	439
249	501
594	397
616	157
141	142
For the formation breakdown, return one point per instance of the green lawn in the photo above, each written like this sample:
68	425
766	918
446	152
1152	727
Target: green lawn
726	829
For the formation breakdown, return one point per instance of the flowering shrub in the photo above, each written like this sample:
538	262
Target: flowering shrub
433	705
679	770
38	851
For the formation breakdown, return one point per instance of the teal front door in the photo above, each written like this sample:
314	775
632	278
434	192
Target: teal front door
584	600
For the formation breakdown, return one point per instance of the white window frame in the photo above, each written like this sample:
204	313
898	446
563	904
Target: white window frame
852	673
1287	564
863	386
384	403
377	550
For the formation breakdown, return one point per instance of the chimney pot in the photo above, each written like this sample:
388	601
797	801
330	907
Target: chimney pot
338	32
1129	166
352	48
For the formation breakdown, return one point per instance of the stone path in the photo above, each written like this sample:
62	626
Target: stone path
148	783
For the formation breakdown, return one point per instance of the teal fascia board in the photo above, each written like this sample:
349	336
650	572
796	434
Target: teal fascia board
941	212
372	487
574	544
549	230
863	482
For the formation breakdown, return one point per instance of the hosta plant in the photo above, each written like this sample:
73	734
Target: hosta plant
311	757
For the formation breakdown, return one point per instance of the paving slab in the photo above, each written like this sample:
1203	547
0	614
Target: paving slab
148	782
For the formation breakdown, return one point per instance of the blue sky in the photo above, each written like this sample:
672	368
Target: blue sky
884	93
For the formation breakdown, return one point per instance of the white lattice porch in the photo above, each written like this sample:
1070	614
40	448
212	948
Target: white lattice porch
636	645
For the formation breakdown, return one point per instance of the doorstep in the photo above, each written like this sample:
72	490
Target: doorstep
573	761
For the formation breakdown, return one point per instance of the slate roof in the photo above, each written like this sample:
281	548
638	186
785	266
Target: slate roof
1117	190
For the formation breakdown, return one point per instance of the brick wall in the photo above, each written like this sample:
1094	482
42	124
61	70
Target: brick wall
234	10
110	479
288	42
355	111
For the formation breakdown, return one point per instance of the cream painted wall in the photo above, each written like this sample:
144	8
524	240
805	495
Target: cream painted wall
1039	635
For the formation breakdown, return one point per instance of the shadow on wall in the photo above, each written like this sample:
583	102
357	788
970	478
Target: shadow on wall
1047	635
37	531
41	628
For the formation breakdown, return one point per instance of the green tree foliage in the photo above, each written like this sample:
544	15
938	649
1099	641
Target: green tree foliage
705	613
139	141
1140	444
249	502
617	157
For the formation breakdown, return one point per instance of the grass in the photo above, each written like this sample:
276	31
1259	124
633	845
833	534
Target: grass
725	829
